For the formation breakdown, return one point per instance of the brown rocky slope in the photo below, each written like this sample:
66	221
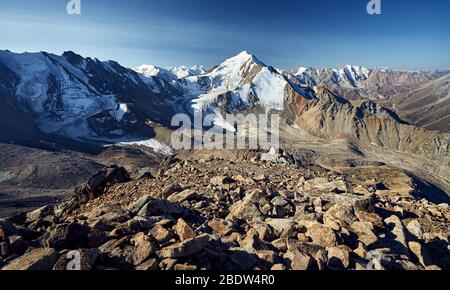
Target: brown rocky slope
332	117
241	213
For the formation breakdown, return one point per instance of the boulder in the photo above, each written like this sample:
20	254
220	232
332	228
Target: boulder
324	185
243	180
297	260
39	213
121	258
321	258
358	202
114	217
101	225
420	253
397	238
139	223
39	259
149	265
143	173
96	238
170	189
322	235
143	248
88	258
110	214
372	218
120	231
340	214
160	207
268	256
283	228
96	185
274	157
135	207
251	243
183	230
220	227
111	245
65	235
249	208
415	228
185	248
318	204
167	264
339	257
179	197
280	244
279	201
361	251
161	234
365	232
265	231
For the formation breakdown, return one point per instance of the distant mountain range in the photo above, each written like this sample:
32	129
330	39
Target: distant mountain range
88	99
170	73
420	97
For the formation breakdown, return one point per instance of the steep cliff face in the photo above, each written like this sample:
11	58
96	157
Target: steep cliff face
15	123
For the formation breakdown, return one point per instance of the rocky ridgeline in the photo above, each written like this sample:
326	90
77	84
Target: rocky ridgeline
227	214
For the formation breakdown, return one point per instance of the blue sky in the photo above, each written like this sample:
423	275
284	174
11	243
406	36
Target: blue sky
410	34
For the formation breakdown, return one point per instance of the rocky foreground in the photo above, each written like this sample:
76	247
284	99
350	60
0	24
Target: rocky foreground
260	211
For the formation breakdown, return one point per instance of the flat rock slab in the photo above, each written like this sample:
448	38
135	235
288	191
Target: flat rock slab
184	249
39	259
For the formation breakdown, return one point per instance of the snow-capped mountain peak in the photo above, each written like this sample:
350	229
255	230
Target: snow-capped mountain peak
300	70
239	82
169	73
83	98
351	74
184	71
240	59
149	70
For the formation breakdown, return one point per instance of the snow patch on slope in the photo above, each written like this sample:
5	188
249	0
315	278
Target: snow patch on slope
269	88
57	92
120	112
154	144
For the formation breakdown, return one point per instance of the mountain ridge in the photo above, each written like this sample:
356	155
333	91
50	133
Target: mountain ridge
111	102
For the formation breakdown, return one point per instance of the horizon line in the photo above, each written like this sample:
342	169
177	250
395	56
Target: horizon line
220	61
